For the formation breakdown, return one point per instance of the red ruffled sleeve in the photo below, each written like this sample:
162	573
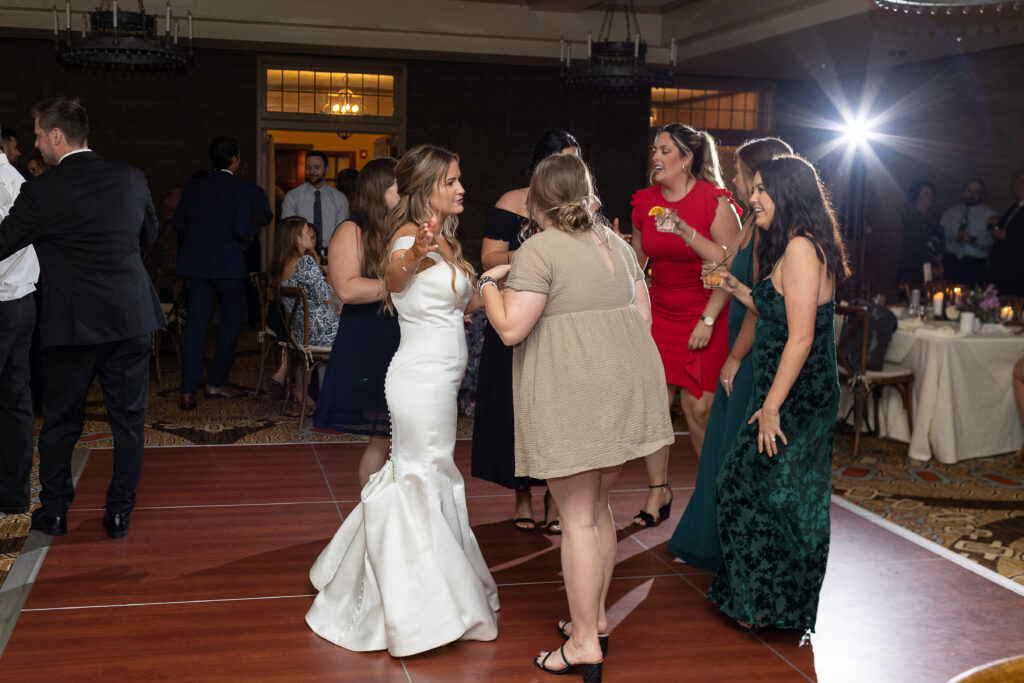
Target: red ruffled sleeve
721	192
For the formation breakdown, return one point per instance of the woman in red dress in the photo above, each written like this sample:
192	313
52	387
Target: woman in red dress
690	322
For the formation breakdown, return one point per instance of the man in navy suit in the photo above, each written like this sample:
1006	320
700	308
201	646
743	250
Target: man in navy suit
213	219
87	218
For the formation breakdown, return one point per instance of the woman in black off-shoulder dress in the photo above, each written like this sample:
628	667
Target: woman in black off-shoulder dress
493	424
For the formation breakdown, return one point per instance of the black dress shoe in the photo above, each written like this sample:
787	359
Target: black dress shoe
187	402
116	524
14	510
224	391
51	525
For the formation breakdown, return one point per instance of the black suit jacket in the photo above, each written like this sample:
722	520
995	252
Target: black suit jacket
214	218
87	218
1008	254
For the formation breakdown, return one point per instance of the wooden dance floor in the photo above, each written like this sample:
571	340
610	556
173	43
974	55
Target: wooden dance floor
211	584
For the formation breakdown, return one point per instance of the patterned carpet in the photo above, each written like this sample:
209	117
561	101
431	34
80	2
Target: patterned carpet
974	508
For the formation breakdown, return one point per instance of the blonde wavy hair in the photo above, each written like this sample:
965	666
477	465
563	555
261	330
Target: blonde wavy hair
561	188
419	172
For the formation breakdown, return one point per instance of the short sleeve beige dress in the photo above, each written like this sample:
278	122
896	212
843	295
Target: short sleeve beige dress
588	383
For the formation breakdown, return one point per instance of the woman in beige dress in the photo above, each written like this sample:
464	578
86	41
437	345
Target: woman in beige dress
574	298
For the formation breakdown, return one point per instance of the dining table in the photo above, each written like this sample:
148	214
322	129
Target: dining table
963	405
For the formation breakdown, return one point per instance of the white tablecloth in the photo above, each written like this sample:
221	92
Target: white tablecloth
963	393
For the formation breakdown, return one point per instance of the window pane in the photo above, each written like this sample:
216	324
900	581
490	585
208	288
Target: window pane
323	82
322	103
306	81
387	106
291	80
290	102
307	105
273	101
273	79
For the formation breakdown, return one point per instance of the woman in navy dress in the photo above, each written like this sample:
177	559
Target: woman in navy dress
352	398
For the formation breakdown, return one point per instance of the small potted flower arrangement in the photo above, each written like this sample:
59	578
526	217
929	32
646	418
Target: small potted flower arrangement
984	303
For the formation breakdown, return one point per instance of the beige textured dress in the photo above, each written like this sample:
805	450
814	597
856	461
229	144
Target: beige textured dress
588	383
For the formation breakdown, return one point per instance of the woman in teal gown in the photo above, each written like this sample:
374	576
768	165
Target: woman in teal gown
773	489
695	540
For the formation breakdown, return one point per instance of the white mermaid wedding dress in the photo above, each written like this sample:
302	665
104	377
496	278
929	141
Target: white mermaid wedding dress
404	572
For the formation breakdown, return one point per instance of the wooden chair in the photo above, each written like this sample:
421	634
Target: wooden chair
864	382
1000	671
175	328
311	357
853	371
266	336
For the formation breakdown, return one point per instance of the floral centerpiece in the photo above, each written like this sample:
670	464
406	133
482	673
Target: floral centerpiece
984	303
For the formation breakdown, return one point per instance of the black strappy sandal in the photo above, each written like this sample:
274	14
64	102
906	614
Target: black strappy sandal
555	527
591	672
646	519
602	638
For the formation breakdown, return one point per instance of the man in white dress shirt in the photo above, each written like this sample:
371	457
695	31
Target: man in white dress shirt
323	207
967	236
18	275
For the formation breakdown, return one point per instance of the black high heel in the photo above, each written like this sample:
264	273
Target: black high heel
602	638
591	672
554	528
663	512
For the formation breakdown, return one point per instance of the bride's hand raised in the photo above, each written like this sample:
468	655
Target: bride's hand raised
424	240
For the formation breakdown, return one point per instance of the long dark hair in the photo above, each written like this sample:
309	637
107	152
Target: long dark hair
286	245
802	209
753	153
368	204
701	145
914	191
552	141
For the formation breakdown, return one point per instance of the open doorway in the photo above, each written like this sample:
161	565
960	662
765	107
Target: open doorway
344	151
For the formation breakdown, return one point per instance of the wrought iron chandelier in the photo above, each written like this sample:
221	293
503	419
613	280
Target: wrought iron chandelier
114	38
947	6
616	65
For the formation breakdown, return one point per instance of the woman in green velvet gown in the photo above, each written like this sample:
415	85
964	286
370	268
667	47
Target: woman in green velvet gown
695	540
773	490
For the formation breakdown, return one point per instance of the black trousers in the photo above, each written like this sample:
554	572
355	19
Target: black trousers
123	370
17	318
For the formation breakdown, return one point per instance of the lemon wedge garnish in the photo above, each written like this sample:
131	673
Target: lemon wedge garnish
656	211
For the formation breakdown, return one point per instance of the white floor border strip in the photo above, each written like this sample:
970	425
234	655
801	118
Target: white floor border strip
930	546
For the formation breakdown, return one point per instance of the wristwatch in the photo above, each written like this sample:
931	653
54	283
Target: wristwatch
708	320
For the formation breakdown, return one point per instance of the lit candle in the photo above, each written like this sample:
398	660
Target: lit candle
56	31
115	13
167	13
956	296
67	14
1006	314
190	26
937	304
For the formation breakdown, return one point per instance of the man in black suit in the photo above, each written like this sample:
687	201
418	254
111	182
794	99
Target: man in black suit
87	218
1008	242
213	219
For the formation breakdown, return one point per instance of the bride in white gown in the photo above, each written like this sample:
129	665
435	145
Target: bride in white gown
404	572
